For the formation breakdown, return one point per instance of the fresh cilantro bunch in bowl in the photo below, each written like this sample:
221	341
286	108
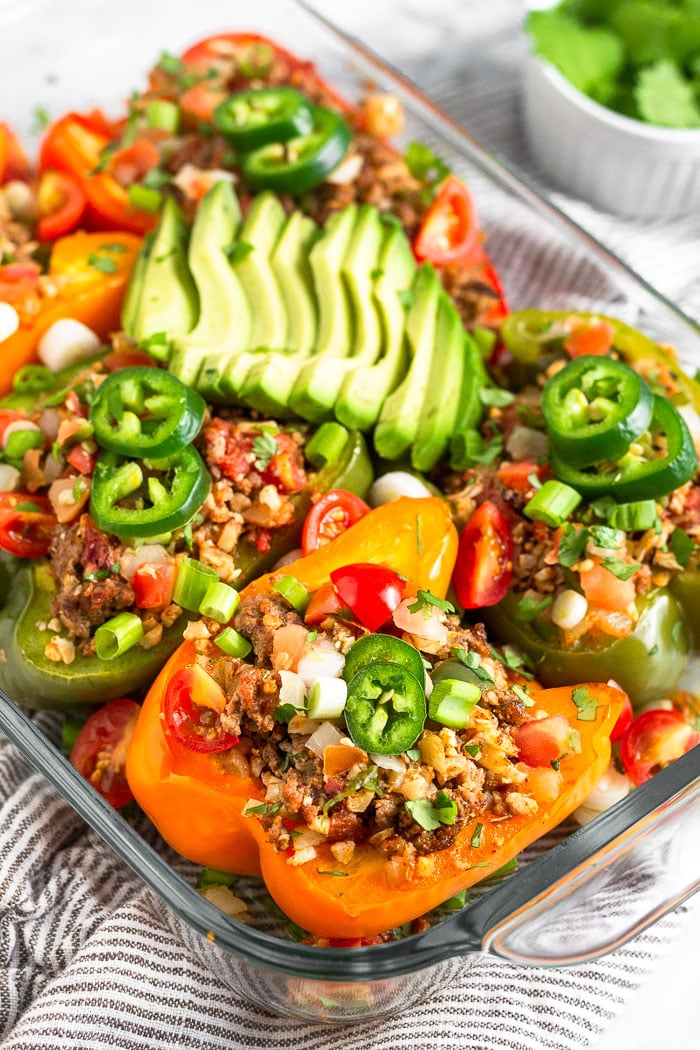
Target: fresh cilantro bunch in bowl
612	101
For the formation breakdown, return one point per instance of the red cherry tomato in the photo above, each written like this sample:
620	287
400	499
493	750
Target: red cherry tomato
595	337
192	704
449	232
13	160
652	741
62	202
26	524
99	752
154	584
371	591
83	461
484	565
324	602
543	740
624	718
335	512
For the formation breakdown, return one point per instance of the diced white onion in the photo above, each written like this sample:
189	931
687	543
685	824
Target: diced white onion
427	623
396	483
20	200
149	554
49	421
287	559
569	609
194	182
347	170
327	698
9	477
392	762
306	837
611	787
9	321
327	735
292	690
65	342
427	685
16	427
526	443
320	662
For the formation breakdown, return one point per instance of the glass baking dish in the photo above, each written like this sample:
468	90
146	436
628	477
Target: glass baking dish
626	869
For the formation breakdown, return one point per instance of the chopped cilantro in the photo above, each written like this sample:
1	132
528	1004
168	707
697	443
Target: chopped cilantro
413	753
28	508
621	569
430	815
472	660
419	535
476	837
665	96
103	263
528	609
41	119
211	877
170	64
522	696
285	712
682	546
512	659
425	600
605	537
572	544
338	874
115	249
586	704
265	449
425	165
367	780
495	397
265	809
472	750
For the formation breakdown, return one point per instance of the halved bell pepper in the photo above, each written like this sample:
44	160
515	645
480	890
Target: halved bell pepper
88	273
648	663
75	144
196	800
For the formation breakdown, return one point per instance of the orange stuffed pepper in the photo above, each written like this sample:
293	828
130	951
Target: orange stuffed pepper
365	753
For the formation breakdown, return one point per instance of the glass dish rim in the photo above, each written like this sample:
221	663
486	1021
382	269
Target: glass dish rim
389	960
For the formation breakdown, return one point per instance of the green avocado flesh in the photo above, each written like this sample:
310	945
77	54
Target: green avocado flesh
273	312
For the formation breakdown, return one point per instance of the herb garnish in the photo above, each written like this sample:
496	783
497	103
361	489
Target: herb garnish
430	815
587	705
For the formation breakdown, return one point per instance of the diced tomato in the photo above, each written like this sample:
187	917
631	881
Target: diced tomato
286	468
26	524
330	516
604	590
129	164
517	476
154	584
192	705
82	459
61	201
594	338
449	232
484	566
324	602
371	591
543	741
99	752
652	741
114	362
200	101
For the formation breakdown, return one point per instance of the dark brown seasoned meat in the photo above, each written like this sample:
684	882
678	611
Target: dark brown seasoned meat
258	617
253	694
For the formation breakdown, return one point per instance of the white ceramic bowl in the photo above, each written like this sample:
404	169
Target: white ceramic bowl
621	165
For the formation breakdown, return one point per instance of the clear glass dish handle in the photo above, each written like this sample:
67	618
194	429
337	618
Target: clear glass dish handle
601	886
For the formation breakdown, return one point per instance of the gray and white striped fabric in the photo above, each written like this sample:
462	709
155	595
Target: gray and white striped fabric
86	961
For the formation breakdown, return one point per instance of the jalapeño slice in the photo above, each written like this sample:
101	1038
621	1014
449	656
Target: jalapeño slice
385	711
145	411
300	163
663	459
595	407
253	118
373	647
148	498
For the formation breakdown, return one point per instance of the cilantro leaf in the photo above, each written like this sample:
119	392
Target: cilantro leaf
265	449
621	569
423	164
587	705
571	544
665	97
682	546
528	609
425	601
590	57
430	815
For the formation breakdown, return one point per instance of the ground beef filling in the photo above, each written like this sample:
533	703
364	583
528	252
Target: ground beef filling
365	803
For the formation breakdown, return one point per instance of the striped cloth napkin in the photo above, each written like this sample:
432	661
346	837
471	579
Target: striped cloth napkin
87	961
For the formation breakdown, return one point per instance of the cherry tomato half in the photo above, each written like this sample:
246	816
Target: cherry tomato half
484	565
192	704
652	741
371	591
13	160
324	602
99	752
449	232
26	524
335	512
623	720
62	202
543	740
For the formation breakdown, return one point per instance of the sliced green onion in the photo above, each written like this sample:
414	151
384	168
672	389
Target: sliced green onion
232	643
451	702
118	635
457	902
295	593
163	114
20	441
144	198
634	517
552	504
327	698
326	445
191	584
211	877
220	602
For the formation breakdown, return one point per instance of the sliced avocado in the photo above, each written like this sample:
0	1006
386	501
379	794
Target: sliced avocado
224	324
315	389
168	302
441	401
400	415
365	389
